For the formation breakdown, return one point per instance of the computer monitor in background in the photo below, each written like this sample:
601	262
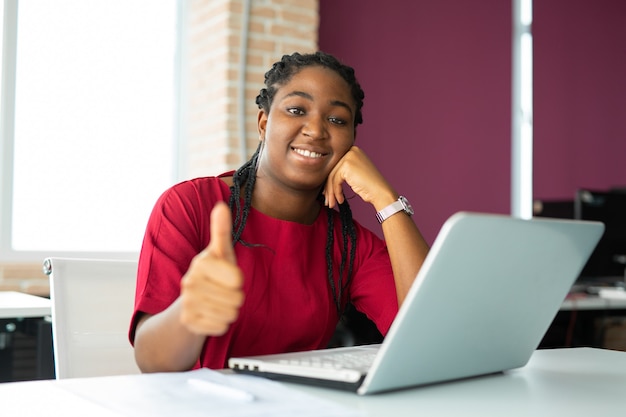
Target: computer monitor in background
557	209
608	261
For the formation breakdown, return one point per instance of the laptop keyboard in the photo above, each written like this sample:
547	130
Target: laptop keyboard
360	360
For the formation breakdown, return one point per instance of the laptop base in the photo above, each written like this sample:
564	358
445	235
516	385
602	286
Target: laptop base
317	382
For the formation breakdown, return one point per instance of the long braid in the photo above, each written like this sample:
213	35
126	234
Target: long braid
348	236
244	176
330	240
348	231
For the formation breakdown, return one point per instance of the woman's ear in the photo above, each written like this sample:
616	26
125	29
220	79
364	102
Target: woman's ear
261	123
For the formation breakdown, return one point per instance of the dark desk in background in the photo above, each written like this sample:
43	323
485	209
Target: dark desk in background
595	318
26	351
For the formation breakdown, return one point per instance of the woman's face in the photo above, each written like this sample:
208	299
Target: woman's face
309	128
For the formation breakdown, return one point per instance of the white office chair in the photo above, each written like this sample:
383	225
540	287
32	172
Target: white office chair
92	303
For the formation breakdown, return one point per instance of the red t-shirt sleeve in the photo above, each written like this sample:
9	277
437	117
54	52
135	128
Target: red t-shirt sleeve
373	291
175	233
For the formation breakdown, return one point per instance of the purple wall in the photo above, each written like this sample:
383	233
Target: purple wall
580	96
437	79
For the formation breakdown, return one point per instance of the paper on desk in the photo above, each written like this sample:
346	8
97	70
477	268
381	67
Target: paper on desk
169	394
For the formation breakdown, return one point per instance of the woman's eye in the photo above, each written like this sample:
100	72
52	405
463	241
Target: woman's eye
337	121
295	110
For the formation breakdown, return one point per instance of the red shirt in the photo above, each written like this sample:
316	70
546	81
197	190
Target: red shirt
288	302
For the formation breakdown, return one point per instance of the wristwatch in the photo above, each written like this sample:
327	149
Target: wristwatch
402	204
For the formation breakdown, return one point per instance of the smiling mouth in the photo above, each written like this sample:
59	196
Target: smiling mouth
307	154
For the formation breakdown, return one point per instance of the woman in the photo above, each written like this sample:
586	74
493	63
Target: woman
273	270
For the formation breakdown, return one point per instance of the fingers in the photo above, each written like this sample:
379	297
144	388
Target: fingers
333	189
209	307
332	196
358	172
347	170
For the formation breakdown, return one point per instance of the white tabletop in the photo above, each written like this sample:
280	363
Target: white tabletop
573	382
15	304
607	299
557	382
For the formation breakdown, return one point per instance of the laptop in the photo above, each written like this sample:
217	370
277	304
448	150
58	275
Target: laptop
485	296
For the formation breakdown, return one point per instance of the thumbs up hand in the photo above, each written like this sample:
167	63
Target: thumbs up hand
211	290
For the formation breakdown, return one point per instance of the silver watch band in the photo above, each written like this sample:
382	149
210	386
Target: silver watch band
389	211
402	204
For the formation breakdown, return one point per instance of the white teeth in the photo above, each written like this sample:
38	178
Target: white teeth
308	154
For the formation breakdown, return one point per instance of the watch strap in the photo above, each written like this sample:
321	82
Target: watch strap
389	211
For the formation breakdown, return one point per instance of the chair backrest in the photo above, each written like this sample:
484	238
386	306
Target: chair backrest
92	302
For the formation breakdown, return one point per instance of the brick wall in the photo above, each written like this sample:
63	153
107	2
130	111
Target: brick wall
211	88
24	277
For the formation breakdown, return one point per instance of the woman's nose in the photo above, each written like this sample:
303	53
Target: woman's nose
314	128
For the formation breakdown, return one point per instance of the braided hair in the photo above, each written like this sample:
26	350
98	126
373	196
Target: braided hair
245	177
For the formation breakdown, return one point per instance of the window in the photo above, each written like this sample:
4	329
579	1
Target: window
89	124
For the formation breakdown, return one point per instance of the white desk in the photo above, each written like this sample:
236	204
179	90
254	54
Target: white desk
581	382
15	304
604	301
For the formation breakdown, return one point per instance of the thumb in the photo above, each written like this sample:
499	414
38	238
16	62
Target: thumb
221	244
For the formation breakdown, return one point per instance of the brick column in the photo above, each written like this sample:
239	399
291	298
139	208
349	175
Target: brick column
214	30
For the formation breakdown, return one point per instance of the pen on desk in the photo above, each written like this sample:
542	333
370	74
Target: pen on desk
213	388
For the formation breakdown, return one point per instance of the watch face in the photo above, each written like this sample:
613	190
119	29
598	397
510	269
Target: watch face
407	205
